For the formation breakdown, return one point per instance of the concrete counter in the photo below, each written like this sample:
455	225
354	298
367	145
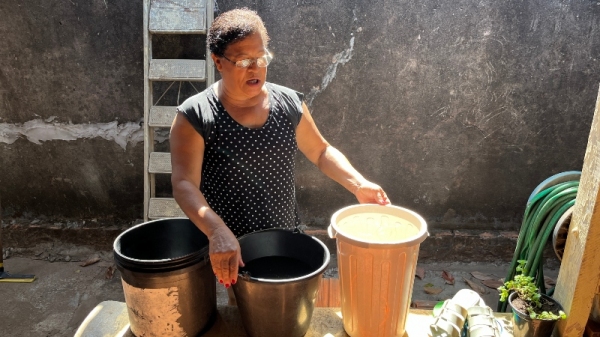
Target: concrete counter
109	319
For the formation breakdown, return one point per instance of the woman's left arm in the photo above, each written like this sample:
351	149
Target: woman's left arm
334	164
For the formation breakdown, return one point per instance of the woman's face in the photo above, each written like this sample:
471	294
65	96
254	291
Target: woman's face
243	83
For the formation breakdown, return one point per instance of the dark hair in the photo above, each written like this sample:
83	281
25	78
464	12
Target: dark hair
233	26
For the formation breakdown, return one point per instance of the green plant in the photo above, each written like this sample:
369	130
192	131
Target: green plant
541	215
527	291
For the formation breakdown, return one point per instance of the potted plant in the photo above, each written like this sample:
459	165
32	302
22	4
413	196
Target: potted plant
534	314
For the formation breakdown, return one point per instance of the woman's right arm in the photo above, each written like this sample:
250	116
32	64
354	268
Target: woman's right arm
187	153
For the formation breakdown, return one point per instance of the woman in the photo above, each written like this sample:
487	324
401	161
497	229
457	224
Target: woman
233	146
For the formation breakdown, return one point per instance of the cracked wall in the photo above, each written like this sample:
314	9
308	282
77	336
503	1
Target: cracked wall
457	109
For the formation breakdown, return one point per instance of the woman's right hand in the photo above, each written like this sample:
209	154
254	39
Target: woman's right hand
225	255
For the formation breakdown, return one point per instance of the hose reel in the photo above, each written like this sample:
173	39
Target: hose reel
548	213
561	230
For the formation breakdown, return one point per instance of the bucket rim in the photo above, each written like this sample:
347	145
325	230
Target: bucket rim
421	235
117	250
320	270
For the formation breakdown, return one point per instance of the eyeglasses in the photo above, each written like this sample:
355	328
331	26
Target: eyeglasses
261	62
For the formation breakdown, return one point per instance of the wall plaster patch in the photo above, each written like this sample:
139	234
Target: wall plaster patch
339	58
38	130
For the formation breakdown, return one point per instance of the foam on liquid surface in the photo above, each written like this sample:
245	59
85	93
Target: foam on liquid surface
377	228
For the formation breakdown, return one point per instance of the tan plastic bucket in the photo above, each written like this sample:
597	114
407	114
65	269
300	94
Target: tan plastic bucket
377	251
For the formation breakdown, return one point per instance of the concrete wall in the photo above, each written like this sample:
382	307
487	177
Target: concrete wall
457	108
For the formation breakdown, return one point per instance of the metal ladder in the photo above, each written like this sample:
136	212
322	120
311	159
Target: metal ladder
168	17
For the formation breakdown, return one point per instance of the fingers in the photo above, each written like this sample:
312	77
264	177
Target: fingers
235	266
233	270
224	256
241	263
225	267
225	272
369	193
217	265
382	198
229	270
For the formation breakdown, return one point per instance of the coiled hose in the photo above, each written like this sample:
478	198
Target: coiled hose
541	215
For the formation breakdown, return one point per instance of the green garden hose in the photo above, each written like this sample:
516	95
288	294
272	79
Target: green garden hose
542	213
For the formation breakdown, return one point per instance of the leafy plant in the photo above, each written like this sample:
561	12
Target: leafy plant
526	290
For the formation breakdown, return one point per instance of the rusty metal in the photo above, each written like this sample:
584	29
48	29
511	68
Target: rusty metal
167	278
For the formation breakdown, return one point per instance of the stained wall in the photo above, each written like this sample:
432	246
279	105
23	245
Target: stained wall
458	109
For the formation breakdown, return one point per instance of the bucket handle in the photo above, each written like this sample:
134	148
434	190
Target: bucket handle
245	275
332	232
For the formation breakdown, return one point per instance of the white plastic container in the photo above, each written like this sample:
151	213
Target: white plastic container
377	251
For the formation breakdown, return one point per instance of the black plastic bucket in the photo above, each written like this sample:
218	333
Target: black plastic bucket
277	290
167	278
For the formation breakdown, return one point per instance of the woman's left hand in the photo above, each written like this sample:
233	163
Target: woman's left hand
370	193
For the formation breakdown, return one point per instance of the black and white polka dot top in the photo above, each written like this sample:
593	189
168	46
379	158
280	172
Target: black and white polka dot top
248	173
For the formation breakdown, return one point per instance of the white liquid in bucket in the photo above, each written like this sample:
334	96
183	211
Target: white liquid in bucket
377	228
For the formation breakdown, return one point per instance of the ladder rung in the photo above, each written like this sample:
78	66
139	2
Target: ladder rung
177	70
164	208
161	116
177	17
160	162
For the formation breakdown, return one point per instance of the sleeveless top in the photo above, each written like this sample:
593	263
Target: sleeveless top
248	173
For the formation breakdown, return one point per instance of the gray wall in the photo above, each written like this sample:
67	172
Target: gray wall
457	108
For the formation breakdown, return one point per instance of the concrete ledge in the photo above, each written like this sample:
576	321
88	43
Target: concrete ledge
325	322
458	245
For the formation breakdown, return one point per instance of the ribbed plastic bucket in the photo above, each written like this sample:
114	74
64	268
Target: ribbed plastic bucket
377	252
167	278
278	287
